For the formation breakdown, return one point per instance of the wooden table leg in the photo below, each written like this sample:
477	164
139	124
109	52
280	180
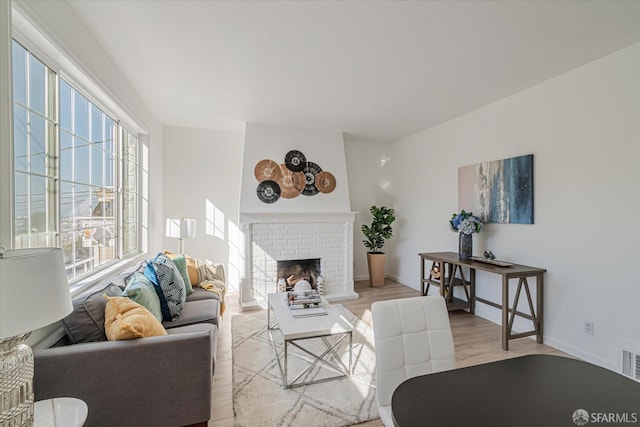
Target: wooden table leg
443	275
539	305
472	286
505	312
422	261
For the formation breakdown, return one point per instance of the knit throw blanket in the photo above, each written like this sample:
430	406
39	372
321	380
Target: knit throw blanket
212	279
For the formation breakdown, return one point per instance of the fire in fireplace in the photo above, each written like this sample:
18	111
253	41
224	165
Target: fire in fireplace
299	269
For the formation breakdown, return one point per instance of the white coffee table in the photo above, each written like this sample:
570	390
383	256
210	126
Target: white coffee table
60	412
317	327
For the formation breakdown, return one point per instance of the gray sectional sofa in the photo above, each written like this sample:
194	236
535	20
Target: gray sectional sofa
155	381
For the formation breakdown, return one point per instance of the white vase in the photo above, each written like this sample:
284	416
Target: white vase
320	285
282	285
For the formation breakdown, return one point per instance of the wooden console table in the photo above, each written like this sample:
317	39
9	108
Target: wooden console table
452	274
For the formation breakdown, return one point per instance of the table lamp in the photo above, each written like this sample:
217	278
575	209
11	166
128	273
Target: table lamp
181	228
34	292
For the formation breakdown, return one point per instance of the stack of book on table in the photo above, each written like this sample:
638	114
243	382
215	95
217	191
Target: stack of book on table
305	304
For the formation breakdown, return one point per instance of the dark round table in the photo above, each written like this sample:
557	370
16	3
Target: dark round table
528	391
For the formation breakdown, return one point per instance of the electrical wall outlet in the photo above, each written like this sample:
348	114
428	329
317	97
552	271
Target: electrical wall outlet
588	327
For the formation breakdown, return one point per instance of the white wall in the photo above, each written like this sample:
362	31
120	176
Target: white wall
368	167
202	181
583	128
273	142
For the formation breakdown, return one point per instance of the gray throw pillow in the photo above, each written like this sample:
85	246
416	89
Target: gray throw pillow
86	321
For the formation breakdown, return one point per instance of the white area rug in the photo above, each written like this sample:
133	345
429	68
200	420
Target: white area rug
260	400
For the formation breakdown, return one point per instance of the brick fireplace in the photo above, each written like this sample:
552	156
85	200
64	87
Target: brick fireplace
270	238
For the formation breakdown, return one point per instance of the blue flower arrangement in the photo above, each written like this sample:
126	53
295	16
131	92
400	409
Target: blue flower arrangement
465	223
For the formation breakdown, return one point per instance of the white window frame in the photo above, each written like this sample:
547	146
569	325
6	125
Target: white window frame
54	57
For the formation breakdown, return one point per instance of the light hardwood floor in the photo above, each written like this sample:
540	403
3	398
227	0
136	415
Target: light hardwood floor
476	341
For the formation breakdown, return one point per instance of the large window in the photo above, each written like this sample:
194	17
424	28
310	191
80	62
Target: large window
87	183
76	171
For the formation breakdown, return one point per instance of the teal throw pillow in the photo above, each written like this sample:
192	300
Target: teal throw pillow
181	262
141	290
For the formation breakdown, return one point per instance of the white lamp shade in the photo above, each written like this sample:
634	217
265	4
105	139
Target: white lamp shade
188	228
180	227
34	291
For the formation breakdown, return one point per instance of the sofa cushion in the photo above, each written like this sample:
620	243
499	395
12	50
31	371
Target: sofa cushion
200	311
181	263
126	319
169	286
141	290
201	293
86	321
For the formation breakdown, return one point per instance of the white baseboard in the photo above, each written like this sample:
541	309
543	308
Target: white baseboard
402	282
387	276
586	356
493	315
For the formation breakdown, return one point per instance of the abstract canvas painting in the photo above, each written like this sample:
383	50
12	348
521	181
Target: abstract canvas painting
500	191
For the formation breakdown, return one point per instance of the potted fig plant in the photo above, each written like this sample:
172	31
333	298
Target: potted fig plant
376	233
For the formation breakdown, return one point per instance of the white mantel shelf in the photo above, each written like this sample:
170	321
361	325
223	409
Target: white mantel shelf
278	217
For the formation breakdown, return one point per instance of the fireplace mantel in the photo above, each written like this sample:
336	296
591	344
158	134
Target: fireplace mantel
279	217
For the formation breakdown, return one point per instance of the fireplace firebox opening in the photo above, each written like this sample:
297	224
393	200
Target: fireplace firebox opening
299	269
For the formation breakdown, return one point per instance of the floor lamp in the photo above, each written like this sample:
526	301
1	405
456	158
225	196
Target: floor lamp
34	292
182	228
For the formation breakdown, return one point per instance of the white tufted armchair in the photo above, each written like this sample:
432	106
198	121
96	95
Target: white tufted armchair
412	337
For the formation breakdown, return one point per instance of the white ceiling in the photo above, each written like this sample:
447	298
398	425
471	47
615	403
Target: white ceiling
379	70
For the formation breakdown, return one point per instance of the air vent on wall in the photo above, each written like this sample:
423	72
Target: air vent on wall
630	362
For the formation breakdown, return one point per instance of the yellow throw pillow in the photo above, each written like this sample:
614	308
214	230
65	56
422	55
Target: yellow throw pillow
192	269
125	319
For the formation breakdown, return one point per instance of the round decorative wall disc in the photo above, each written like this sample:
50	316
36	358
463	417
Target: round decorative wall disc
268	191
267	170
291	183
325	182
310	172
295	161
